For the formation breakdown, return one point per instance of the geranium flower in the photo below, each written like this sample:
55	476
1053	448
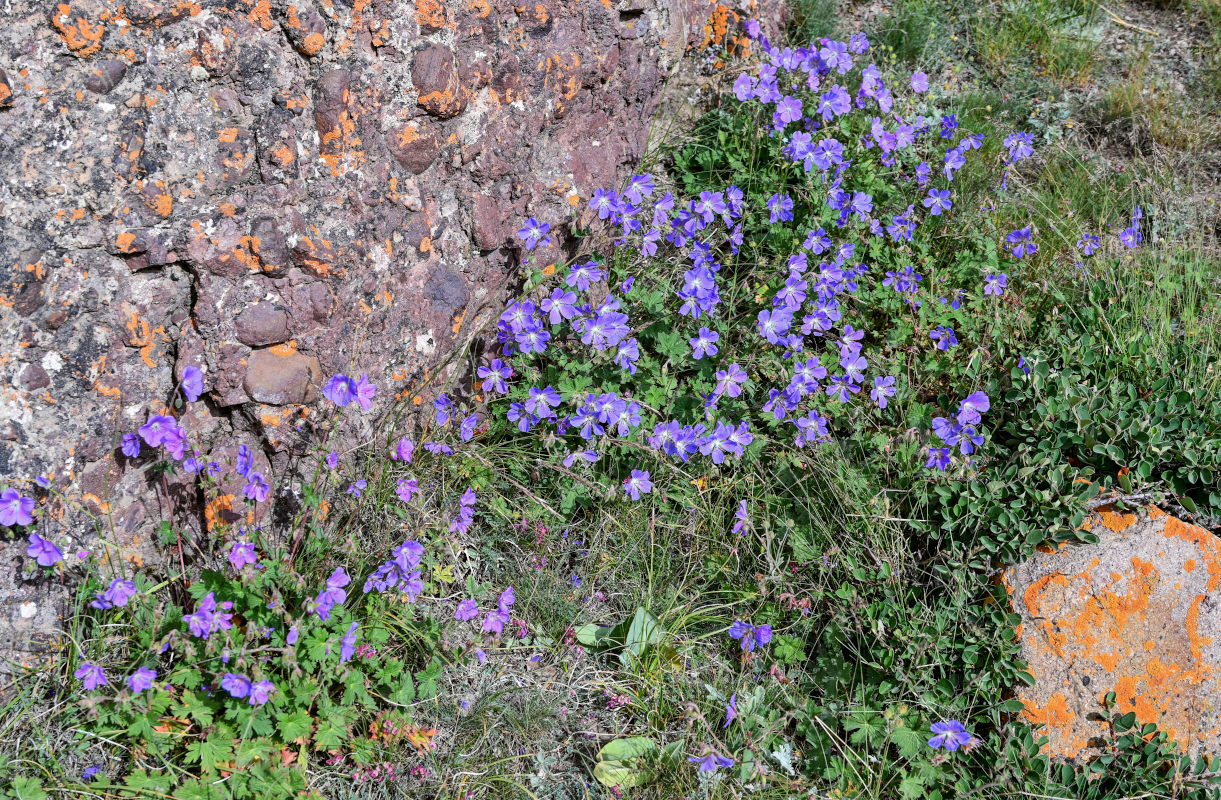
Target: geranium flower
15	508
141	679
749	635
118	594
192	383
949	735
91	675
43	551
638	484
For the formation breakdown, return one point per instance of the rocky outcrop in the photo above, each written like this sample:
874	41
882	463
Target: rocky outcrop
277	190
1138	614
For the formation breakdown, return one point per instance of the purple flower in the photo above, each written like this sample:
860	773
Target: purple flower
1088	244
919	82
91	772
340	390
742	517
731	710
1021	241
355	489
130	445
245	461
1023	366
882	388
192	383
705	343
938	458
444	407
938	200
711	762
92	676
495	374
15	508
404	450
158	429
638	484
43	551
744	87
1130	237
467	430
788	110
242	554
407	489
466	610
332	460
333	594
949	735
257	488
971	409
141	679
996	284
291	638
944	337
1021	145
750	635
365	391
534	233
117	595
236	685
347	645
260	692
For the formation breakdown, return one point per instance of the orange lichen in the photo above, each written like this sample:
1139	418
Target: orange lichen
1205	542
82	38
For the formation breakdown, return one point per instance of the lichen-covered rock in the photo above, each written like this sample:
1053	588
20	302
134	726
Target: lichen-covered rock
189	182
1137	614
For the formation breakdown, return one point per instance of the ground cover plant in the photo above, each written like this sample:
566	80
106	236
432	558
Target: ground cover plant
718	506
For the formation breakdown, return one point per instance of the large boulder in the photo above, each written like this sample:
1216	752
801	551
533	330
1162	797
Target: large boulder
1138	614
276	191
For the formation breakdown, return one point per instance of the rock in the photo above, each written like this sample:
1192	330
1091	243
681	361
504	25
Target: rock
262	324
305	27
414	145
106	75
360	169
1138	614
281	379
6	90
436	81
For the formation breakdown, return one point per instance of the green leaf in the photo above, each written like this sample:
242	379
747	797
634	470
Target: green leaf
295	725
627	748
27	789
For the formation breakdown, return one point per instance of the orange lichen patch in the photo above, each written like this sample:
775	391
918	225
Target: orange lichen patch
284	349
1054	714
228	209
313	44
1136	600
1126	614
124	241
261	15
480	8
227	135
1195	641
82	38
1033	594
161	202
1205	542
1114	520
430	14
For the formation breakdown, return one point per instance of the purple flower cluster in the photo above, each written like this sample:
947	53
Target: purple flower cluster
333	594
118	594
402	571
494	621
342	390
257	693
750	636
466	512
962	431
209	617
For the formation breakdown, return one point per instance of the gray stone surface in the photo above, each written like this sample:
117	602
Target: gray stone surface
188	182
